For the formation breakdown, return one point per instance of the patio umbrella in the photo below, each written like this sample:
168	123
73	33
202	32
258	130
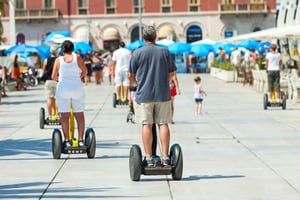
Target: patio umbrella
179	48
226	46
201	49
135	45
23	48
164	42
56	34
83	47
248	44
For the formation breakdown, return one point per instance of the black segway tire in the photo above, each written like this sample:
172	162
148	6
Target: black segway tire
176	158
33	81
265	101
42	118
135	163
90	142
114	98
56	144
283	99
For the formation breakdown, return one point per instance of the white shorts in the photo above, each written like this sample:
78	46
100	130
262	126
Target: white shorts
67	94
121	78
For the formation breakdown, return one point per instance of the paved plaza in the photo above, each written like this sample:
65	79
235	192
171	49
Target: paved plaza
235	150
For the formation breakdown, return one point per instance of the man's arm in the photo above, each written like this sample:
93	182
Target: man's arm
132	79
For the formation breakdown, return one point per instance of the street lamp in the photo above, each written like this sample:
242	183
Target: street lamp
89	22
140	20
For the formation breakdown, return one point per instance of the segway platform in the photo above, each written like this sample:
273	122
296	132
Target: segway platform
157	169
46	121
74	150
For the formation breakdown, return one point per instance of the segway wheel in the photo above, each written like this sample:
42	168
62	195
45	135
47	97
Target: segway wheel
90	142
265	101
135	163
114	100
56	144
176	161
33	81
283	98
42	118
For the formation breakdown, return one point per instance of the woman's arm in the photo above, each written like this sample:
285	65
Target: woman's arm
82	67
55	70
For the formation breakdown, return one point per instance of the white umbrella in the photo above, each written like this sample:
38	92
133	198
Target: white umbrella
164	42
205	41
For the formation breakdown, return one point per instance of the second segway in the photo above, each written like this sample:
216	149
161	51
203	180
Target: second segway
138	166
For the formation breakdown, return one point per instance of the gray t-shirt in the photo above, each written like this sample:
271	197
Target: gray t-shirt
152	64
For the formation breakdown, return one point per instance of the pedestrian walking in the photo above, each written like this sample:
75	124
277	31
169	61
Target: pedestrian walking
199	93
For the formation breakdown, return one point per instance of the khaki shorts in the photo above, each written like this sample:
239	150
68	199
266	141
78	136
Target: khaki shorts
154	112
50	88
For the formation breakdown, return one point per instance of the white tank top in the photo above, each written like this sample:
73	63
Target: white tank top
69	71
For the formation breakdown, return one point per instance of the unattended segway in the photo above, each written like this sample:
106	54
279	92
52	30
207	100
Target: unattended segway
54	120
57	142
137	166
273	103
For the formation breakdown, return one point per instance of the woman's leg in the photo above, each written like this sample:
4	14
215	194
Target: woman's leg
64	119
79	116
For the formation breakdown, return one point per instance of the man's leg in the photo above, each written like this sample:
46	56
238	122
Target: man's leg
79	116
164	134
147	138
65	124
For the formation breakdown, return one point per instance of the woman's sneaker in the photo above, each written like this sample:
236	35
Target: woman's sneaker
165	161
81	143
68	144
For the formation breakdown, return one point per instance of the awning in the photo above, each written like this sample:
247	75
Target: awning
111	34
292	31
165	32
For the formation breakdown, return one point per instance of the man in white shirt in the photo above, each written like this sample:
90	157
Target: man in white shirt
121	58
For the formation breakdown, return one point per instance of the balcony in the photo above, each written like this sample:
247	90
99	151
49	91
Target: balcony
243	8
36	14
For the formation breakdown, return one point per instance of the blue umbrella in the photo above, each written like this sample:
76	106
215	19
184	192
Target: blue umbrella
263	45
83	47
135	45
22	48
179	48
201	49
227	47
248	44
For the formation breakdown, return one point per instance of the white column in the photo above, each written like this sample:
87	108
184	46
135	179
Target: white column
140	20
12	22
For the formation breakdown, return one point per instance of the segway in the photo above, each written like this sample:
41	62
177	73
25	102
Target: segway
138	166
273	103
58	147
122	100
53	120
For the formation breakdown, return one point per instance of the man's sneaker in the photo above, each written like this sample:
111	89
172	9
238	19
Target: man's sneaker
81	143
149	161
68	144
165	161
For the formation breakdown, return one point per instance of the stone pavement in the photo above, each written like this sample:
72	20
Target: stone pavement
234	150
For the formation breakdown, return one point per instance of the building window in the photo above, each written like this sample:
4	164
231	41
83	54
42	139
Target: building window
110	6
166	6
256	1
82	7
228	1
19	4
48	3
194	5
136	6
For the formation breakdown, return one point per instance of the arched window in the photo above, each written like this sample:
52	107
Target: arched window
20	38
194	33
256	29
134	34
